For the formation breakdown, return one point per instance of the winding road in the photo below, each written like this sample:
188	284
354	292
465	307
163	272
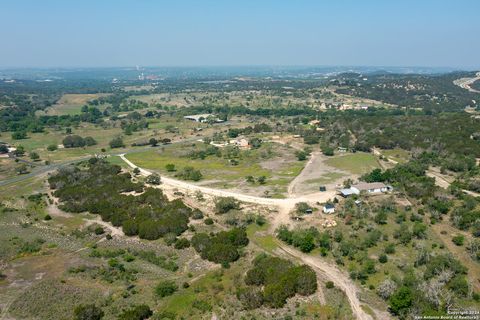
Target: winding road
322	267
326	269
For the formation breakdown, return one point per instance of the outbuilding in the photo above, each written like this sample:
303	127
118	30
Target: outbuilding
328	208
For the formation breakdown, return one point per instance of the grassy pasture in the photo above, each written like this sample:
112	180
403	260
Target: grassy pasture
71	104
276	163
398	155
356	163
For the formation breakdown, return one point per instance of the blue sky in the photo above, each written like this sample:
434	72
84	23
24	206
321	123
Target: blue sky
90	33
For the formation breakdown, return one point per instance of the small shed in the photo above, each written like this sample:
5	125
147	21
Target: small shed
328	208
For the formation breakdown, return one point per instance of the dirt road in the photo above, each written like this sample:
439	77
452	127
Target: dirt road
315	170
339	278
182	185
284	206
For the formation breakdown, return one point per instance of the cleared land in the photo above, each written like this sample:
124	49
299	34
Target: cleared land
356	163
277	163
71	104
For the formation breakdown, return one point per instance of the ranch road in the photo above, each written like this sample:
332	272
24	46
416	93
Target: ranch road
284	206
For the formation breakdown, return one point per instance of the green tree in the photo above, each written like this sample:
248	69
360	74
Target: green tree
116	143
401	300
89	141
153	142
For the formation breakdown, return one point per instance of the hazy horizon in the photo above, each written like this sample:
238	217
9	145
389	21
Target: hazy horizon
92	34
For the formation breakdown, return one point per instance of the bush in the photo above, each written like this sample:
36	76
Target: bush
89	141
221	247
225	204
328	151
165	288
73	141
208	221
130	227
329	285
401	300
88	312
153	179
99	230
52	147
47	217
19	135
116	143
458	240
189	173
197	214
170	167
138	312
280	279
260	220
182	243
251	298
383	258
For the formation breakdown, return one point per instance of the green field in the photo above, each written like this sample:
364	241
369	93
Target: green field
356	163
326	178
71	104
218	169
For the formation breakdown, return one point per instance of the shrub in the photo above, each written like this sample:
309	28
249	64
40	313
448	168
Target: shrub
390	248
88	312
47	217
197	214
116	143
130	227
458	240
170	167
251	298
73	141
137	312
383	258
225	204
182	243
208	221
89	141
401	300
165	288
170	238
99	230
52	147
260	220
153	179
221	247
280	279
19	135
189	173
329	285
